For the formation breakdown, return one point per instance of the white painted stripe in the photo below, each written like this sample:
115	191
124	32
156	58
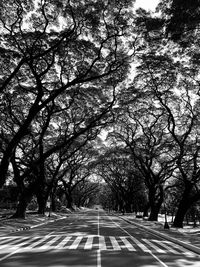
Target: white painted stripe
114	243
5	237
63	242
102	243
182	249
15	243
37	242
76	242
127	244
169	248
98	258
49	243
154	256
157	249
140	245
10	254
27	241
89	242
6	240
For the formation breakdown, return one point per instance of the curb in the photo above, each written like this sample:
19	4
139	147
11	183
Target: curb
164	236
37	225
21	229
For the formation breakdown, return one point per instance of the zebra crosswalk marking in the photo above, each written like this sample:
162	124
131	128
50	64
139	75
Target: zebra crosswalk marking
164	245
114	243
89	243
49	243
159	250
36	243
110	243
140	245
76	242
27	241
63	242
6	240
127	244
182	249
3	240
102	243
15	243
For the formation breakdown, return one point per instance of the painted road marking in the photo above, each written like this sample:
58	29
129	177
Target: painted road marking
182	249
102	243
15	243
27	241
63	242
99	250
157	249
95	242
140	244
127	244
115	244
89	243
5	241
50	242
167	247
34	244
76	242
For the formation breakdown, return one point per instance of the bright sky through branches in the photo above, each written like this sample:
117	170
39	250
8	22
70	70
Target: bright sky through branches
146	4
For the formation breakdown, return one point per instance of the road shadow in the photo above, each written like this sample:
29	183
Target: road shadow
53	258
139	259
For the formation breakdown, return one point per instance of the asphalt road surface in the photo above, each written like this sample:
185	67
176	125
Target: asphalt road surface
92	239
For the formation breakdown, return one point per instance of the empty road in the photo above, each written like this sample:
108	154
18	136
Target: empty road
92	239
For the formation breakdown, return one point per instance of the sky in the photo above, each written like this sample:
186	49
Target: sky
146	4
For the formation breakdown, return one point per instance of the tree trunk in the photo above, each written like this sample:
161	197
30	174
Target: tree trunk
155	201
41	200
183	207
128	207
121	205
4	169
16	138
53	203
180	215
154	212
24	199
69	201
181	212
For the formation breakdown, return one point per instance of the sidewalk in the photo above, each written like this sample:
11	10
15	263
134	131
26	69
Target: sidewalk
32	220
188	237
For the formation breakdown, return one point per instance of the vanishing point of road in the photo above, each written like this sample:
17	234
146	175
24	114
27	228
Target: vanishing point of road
91	239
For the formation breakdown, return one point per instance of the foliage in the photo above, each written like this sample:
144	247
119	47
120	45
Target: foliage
61	64
117	169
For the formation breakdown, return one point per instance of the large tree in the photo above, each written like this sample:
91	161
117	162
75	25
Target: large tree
53	50
176	91
142	129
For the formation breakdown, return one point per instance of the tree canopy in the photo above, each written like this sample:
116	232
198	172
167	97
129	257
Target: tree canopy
72	69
